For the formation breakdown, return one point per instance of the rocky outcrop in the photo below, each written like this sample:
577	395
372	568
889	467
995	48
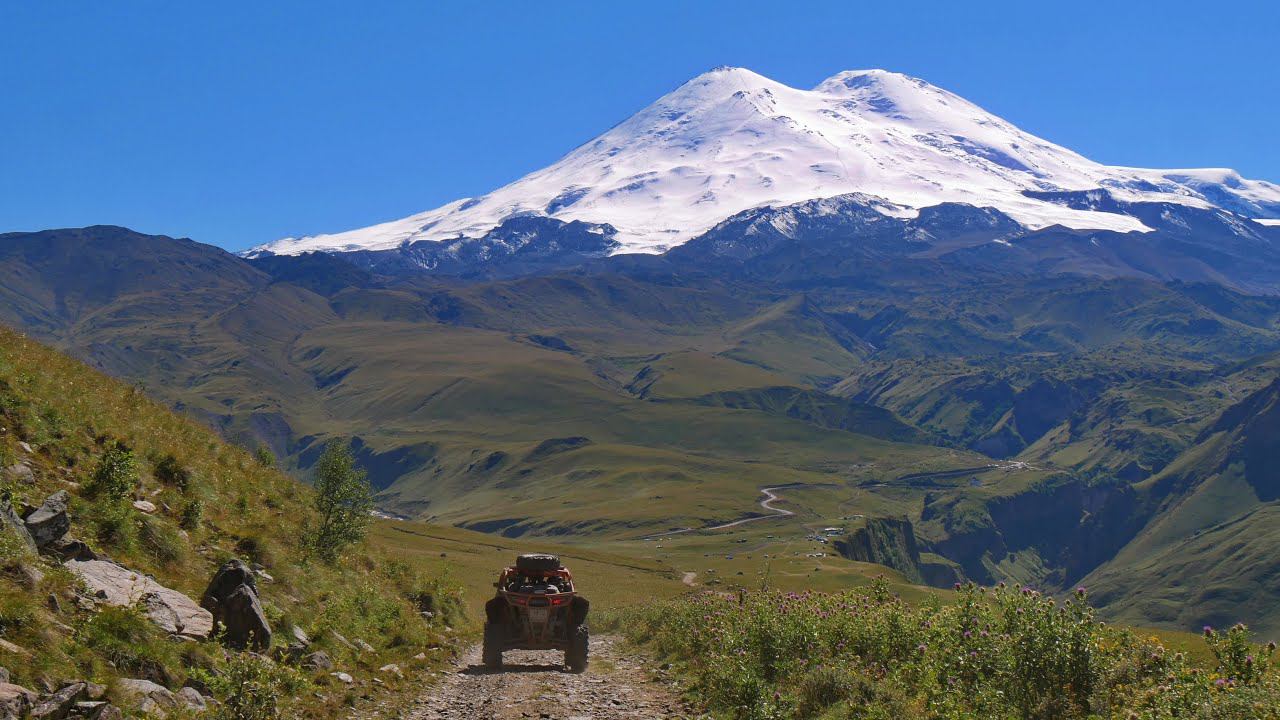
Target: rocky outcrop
15	701
890	542
59	705
145	696
232	598
49	522
13	525
172	611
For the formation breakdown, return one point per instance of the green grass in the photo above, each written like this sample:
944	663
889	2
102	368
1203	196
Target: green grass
73	417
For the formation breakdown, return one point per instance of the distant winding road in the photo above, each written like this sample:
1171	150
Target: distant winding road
770	497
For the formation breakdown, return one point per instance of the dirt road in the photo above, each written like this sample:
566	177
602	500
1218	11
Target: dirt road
770	497
617	685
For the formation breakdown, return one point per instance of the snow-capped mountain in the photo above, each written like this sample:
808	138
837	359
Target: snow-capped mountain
731	139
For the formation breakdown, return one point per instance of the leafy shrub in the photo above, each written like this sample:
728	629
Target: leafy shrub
191	515
251	687
115	524
172	472
264	456
992	653
116	475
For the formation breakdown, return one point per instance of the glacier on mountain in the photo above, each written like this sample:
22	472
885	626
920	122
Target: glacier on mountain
731	140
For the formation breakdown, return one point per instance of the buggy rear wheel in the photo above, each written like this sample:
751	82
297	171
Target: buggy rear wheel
491	653
575	657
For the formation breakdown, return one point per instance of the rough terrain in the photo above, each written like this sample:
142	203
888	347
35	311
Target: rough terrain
617	685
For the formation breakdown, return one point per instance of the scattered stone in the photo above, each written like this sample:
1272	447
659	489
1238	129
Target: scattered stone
58	705
232	598
145	696
144	506
12	649
4	676
49	522
364	646
342	640
392	669
169	609
420	657
28	576
343	677
94	691
20	473
300	635
15	700
26	447
192	699
318	660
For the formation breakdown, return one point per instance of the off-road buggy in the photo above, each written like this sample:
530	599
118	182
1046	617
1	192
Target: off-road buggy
536	608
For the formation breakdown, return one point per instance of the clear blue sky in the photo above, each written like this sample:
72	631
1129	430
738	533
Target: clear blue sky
235	124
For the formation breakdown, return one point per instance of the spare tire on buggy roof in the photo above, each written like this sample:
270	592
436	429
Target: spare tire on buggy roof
538	563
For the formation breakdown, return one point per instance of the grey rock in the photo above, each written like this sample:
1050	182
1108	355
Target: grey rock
90	709
342	640
318	660
29	576
343	677
49	522
4	676
192	699
169	609
364	646
15	701
145	696
20	473
11	523
58	705
66	548
300	635
232	598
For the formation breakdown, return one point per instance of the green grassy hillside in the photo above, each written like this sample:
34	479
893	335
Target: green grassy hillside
57	419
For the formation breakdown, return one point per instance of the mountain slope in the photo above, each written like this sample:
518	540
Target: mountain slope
205	502
730	140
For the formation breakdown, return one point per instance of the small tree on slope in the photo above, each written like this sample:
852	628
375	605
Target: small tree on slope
344	501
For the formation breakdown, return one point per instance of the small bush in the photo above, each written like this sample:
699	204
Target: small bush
251	687
264	456
172	472
191	515
116	475
115	524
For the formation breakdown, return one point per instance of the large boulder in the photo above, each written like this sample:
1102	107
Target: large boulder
49	522
15	701
169	609
232	598
145	697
